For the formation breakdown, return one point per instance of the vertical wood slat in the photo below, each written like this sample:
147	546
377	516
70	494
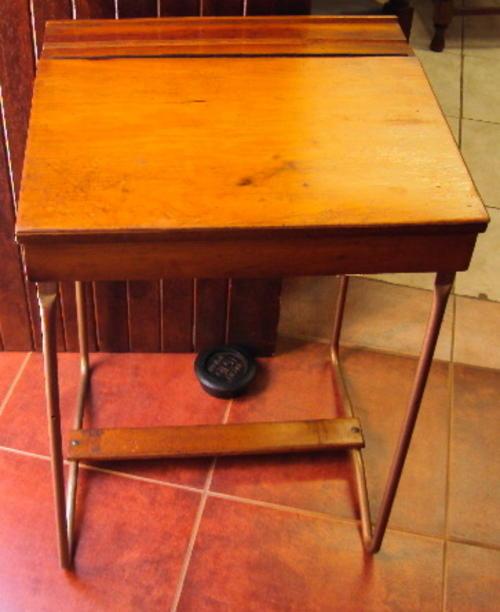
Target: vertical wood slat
144	316
177	307
68	307
179	8
110	301
95	9
14	317
210	309
278	7
223	7
253	314
137	8
17	70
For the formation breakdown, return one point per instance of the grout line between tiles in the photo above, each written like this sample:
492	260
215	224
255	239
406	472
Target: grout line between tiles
14	382
255	502
164	483
17	451
481	120
197	522
192	538
475	543
312	514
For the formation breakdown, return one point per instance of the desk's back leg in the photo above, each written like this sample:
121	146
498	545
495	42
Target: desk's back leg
47	297
442	288
81	312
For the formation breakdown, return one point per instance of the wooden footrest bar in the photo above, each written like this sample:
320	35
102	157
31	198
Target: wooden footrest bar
210	440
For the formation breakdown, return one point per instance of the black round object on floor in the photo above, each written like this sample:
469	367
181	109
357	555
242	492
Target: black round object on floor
225	371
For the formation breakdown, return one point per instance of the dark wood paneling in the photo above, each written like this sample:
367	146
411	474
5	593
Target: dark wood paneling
95	9
110	301
210	312
144	316
222	7
177	315
17	71
49	9
68	307
137	8
14	316
179	8
253	314
278	7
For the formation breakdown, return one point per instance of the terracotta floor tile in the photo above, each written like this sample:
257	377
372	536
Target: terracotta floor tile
253	558
476	333
380	386
473	578
10	363
129	390
132	542
475	463
378	314
296	385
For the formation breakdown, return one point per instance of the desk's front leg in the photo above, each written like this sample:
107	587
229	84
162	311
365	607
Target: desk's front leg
442	289
47	297
372	539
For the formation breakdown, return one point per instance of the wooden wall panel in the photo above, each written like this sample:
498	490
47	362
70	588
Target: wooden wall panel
254	313
95	9
179	8
110	300
178	306
210	296
14	316
17	69
278	7
139	316
137	8
223	7
144	316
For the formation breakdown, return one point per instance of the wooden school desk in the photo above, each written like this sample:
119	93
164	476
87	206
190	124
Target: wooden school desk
236	147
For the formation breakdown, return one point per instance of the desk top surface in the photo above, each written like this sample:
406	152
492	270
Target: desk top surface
135	129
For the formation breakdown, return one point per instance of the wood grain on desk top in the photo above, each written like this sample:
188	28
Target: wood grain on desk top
162	145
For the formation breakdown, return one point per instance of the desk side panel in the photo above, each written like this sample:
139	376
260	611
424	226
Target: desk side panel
250	257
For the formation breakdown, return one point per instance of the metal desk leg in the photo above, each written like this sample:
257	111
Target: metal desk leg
47	297
78	420
373	541
65	510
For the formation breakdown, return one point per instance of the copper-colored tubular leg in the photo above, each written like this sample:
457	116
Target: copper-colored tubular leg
47	297
443	285
355	454
82	390
442	288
